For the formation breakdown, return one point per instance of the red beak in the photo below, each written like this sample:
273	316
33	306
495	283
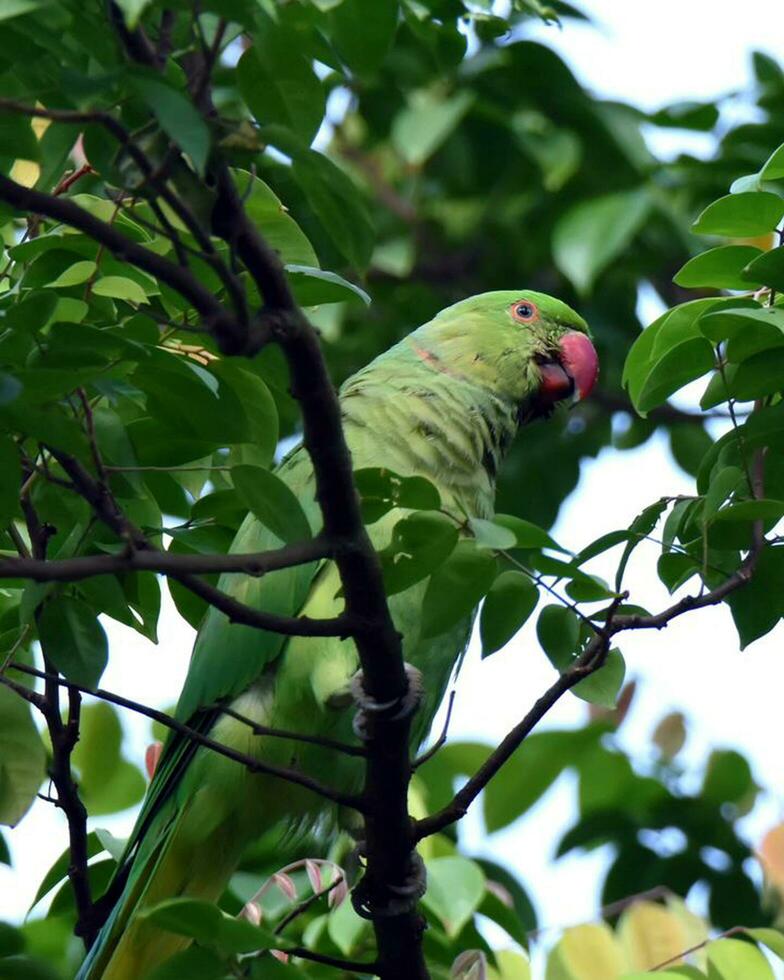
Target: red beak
580	361
573	374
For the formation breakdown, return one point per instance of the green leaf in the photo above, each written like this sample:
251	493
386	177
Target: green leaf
701	116
675	568
589	236
759	605
22	757
589	588
280	230
117	287
772	938
730	959
363	30
527	535
773	168
59	870
420	544
76	274
178	118
752	510
313	287
333	198
278	83
759	375
488	534
345	928
689	443
725	482
240	386
25	967
672	328
508	605
767	269
240	936
680	365
748	182
186	917
455	887
133	9
17	134
14	8
381	490
73	639
532	769
604	686
108	782
718	268
728	323
558	632
11	940
728	777
454	589
272	501
426	122
195	963
741	215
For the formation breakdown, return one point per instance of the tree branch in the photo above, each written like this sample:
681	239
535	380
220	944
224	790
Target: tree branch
348	966
164	563
251	763
587	663
389	846
109	512
327	743
231	335
63	738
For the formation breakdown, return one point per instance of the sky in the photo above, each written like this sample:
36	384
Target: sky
652	55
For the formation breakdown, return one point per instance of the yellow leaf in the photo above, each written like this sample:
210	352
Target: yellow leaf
651	934
510	966
695	928
25	172
590	952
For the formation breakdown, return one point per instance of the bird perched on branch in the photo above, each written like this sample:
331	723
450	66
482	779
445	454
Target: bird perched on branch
444	403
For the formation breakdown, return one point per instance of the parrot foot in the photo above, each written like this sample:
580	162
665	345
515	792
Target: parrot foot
372	902
398	708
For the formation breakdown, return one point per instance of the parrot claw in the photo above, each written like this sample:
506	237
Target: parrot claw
402	707
396	899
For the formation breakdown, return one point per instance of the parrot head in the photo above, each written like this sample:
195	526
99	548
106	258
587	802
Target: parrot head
530	348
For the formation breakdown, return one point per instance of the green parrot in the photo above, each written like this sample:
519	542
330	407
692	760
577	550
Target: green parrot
444	403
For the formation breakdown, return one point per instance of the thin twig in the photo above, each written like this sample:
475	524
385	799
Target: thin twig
257	729
441	740
251	763
305	905
349	966
734	931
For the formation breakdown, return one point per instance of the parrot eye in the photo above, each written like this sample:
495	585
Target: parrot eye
524	312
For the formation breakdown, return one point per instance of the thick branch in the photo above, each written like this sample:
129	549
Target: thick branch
388	840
